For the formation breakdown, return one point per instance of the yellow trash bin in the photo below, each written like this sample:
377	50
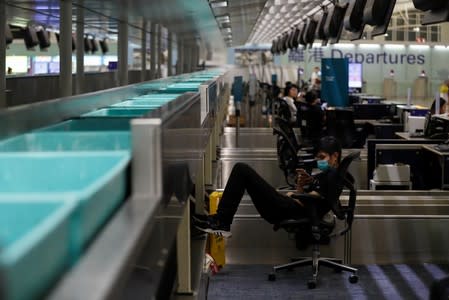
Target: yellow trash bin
216	243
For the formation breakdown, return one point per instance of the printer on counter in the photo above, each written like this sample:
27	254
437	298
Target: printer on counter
391	177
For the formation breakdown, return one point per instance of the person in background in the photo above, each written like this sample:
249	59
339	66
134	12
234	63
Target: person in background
272	205
315	81
443	107
444	90
316	75
9	72
291	93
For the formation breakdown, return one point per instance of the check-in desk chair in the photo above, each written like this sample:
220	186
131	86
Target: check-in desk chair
321	231
291	155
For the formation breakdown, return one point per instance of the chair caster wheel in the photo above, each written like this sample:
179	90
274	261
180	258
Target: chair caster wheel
311	284
272	277
353	278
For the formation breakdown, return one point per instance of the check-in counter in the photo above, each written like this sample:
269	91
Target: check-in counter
147	237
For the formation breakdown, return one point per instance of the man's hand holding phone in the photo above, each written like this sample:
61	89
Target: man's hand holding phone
304	179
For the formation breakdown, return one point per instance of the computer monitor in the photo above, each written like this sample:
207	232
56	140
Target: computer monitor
355	76
53	67
435	128
40	68
373	111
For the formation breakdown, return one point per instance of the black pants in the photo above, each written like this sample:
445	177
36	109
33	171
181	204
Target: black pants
271	205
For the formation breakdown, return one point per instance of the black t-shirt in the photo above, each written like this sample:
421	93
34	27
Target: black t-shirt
325	184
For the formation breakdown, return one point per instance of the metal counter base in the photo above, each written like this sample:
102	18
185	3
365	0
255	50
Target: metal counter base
393	227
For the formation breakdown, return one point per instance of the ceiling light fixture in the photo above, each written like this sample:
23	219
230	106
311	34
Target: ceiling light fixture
223	18
218	4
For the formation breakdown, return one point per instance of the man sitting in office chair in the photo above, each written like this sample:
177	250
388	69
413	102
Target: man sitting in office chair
273	206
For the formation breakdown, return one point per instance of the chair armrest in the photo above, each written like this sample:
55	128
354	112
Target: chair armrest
306	198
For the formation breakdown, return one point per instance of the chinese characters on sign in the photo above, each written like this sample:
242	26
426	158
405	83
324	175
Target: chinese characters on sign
298	55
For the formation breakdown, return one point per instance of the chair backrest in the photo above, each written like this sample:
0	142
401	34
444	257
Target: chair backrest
284	125
286	153
281	109
345	180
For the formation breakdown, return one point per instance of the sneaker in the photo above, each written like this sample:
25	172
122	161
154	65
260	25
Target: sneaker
214	226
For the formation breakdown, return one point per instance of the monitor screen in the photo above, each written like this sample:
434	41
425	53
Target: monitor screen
53	67
355	75
40	67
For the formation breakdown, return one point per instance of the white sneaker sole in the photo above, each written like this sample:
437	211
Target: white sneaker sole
222	233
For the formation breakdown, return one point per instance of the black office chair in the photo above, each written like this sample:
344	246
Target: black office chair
282	124
320	231
288	158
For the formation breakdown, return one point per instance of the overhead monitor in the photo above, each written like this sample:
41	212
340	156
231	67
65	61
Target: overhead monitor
377	13
353	20
73	40
437	11
309	33
94	44
296	34
355	76
301	40
104	46
8	35
284	42
320	34
30	37
334	23
290	38
44	39
87	45
278	45
272	49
